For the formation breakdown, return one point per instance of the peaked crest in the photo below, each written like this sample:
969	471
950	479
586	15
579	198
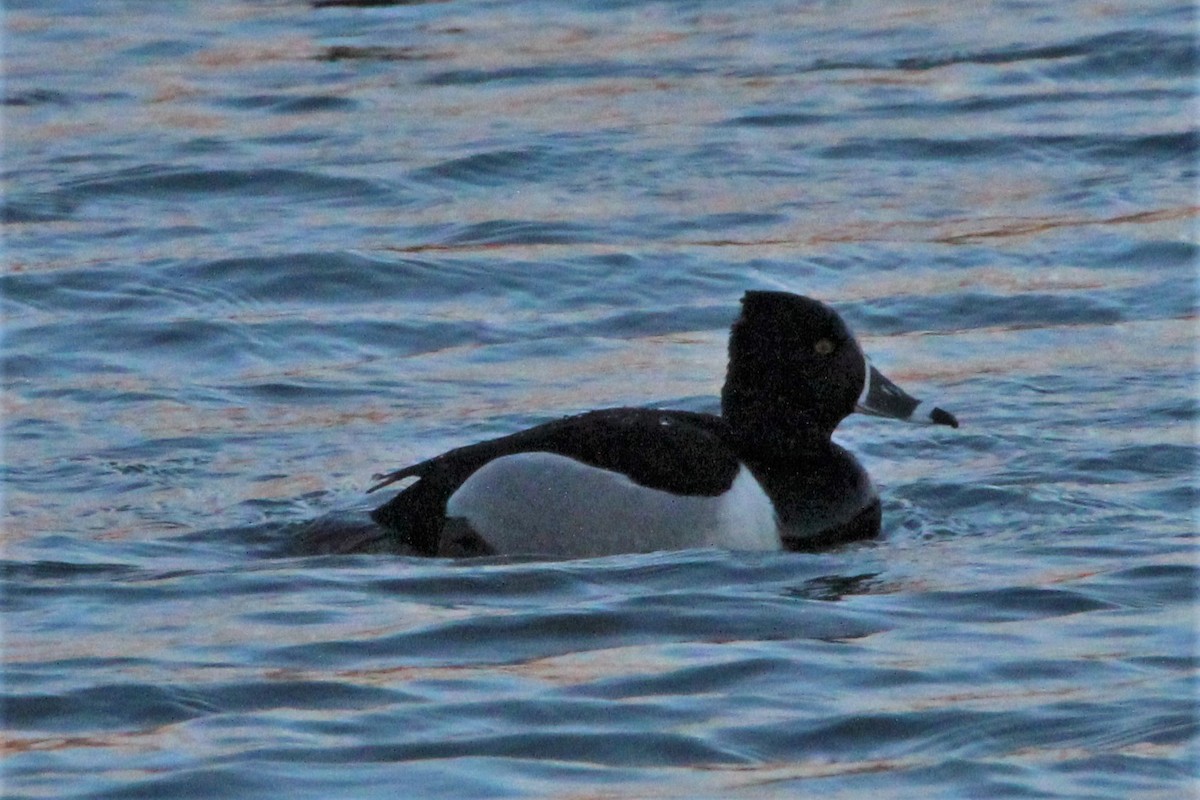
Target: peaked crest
794	366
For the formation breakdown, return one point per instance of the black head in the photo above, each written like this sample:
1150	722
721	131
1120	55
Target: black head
793	366
795	372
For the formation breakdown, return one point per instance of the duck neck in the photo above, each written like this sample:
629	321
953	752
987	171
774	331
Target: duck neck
772	428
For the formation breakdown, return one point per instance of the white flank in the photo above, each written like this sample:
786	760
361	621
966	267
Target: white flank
547	504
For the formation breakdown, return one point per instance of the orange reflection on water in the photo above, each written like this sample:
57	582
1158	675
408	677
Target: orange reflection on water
1004	228
572	669
787	239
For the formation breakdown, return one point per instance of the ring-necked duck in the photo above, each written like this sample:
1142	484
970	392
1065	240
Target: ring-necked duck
762	476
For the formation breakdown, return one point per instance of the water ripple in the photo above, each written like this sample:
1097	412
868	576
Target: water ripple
256	252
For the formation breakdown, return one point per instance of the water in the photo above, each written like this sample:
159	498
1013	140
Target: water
257	252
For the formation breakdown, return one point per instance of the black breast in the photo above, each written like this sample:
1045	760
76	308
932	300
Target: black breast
822	497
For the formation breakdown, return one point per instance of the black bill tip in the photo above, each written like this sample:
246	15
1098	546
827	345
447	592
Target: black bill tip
940	417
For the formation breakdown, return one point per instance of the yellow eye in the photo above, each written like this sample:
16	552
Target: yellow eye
823	347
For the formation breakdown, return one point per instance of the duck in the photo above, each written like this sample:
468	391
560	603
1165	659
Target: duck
764	474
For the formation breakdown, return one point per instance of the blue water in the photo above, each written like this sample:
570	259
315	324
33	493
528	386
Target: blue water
256	252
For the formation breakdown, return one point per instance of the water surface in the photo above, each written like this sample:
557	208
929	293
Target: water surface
257	252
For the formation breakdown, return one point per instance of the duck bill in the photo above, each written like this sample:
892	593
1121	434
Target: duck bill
882	398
